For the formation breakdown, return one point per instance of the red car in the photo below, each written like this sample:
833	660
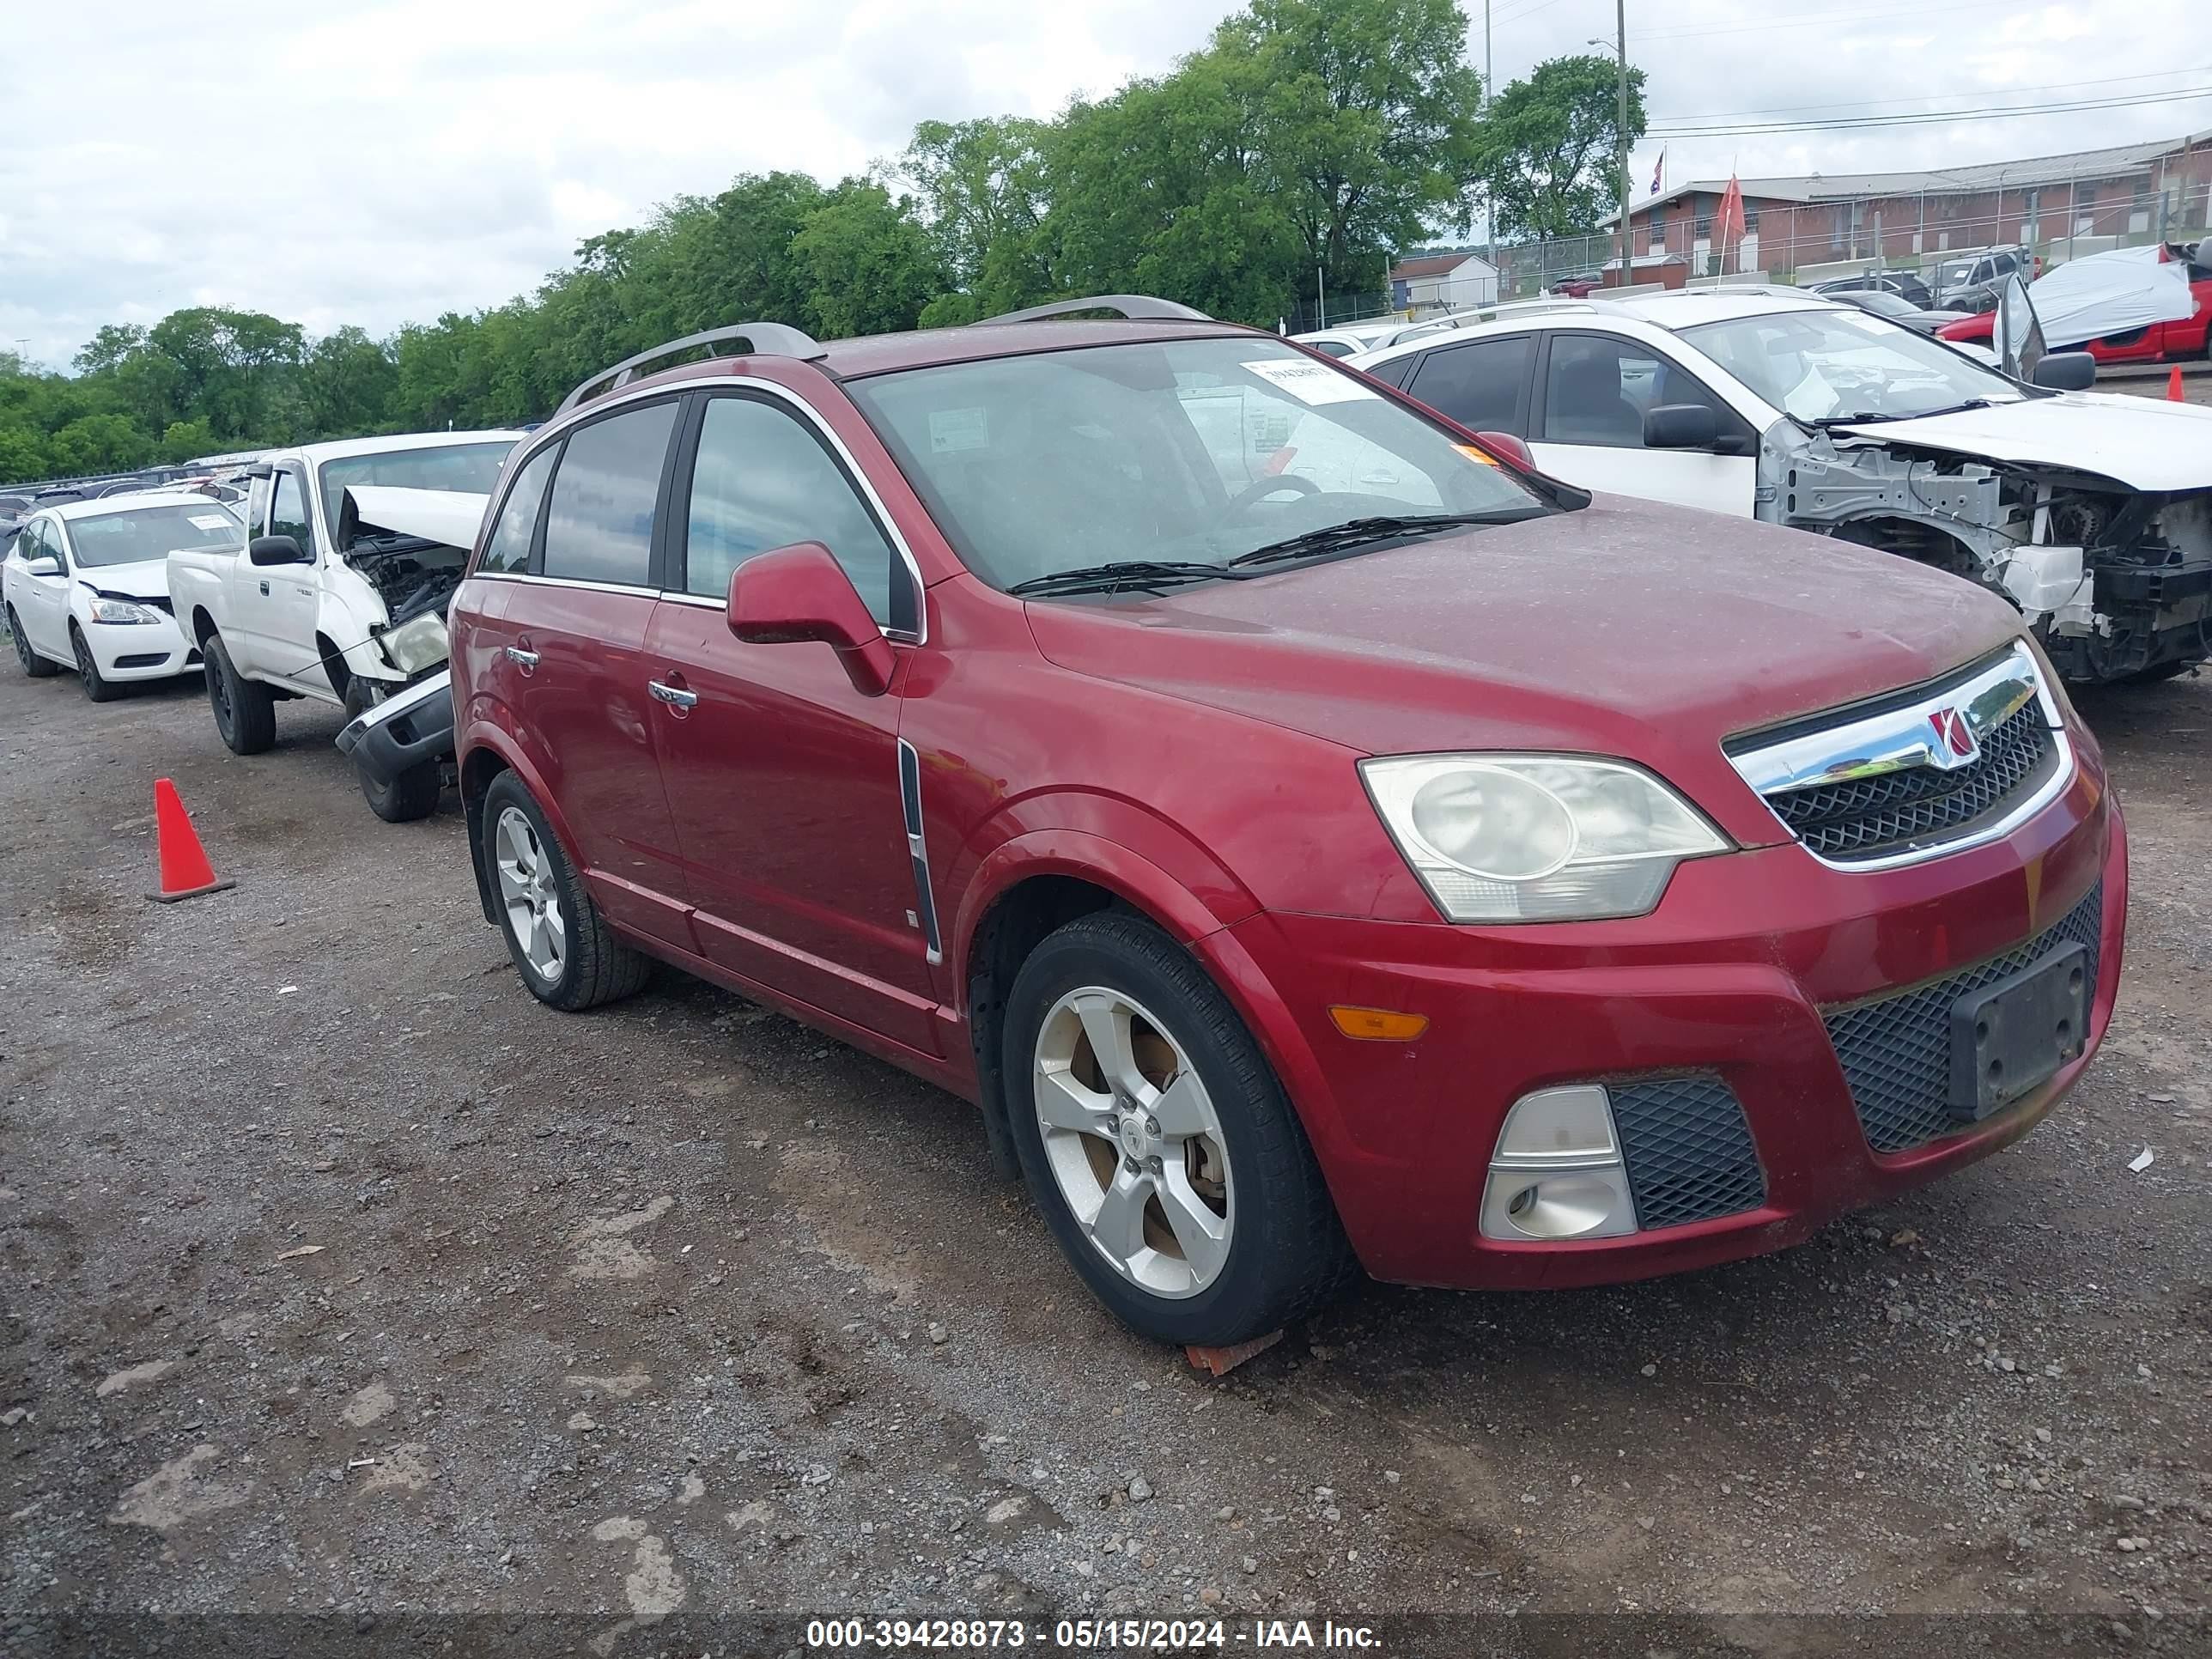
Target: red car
2159	342
1309	841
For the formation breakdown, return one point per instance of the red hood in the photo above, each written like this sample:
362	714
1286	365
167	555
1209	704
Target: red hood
1645	632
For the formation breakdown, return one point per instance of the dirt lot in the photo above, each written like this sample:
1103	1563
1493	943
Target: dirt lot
340	1277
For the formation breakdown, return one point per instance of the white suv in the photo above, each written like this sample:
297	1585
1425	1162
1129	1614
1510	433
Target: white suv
2093	514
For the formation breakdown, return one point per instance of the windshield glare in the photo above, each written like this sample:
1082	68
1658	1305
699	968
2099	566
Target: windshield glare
148	533
469	469
1815	364
1193	450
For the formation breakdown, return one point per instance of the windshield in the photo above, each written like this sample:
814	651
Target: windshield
1826	365
1198	451
469	469
151	533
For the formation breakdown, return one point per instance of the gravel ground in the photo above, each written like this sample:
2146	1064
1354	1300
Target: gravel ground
342	1278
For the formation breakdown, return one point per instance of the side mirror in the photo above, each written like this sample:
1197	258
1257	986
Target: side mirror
275	549
2066	371
801	592
46	566
1680	426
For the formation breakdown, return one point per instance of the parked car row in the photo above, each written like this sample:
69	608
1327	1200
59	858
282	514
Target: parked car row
1311	833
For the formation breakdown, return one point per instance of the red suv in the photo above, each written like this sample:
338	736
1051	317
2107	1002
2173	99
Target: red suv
1306	838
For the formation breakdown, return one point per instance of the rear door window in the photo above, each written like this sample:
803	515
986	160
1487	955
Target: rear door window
599	523
1479	383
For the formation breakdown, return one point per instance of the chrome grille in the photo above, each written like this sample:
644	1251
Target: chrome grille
1867	816
1916	774
1896	1050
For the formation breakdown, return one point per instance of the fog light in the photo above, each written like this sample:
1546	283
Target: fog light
1556	1172
1565	1203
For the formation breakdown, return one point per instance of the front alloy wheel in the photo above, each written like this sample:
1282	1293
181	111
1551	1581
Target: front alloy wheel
1158	1143
528	894
1133	1142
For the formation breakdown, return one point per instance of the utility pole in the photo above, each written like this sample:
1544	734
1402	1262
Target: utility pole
1489	203
1620	35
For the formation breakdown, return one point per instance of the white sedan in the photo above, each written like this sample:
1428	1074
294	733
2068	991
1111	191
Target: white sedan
86	587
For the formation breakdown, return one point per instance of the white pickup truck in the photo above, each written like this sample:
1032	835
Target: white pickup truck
353	552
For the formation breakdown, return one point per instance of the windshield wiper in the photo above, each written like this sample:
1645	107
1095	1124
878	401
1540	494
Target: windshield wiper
1120	575
1359	532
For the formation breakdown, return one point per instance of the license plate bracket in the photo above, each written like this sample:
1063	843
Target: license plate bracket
2008	1038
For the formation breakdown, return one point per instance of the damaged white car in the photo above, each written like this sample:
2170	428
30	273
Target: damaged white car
2092	514
352	554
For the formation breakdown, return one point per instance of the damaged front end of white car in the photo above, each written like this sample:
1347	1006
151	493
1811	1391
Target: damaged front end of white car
2092	514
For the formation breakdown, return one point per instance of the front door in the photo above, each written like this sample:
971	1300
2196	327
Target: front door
42	602
1587	426
273	607
573	668
783	778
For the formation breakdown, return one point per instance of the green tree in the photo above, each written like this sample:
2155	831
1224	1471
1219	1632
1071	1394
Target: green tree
346	383
22	454
1360	120
230	364
109	346
870	264
1551	146
99	443
984	187
185	439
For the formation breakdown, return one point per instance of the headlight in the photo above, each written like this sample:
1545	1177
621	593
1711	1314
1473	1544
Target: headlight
416	644
1536	837
122	611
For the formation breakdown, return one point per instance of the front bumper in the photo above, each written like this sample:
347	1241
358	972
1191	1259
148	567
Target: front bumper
140	651
1743	978
411	728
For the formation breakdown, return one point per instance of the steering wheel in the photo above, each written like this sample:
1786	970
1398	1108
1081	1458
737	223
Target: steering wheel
1266	487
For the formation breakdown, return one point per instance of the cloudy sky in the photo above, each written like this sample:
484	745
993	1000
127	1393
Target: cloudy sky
386	160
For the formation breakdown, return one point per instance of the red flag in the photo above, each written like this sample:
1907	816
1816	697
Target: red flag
1728	222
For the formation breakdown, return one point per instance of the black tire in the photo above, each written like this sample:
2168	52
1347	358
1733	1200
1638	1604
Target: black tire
244	710
596	965
88	671
34	666
1287	1253
413	795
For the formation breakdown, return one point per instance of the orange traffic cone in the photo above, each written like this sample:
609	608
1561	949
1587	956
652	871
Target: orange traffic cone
185	871
2173	393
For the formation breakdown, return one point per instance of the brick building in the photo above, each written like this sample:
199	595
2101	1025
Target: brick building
2129	193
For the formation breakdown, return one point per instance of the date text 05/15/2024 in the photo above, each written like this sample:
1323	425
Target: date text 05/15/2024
1087	1635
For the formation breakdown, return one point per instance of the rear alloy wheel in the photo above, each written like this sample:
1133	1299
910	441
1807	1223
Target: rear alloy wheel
1157	1142
34	666
563	947
87	670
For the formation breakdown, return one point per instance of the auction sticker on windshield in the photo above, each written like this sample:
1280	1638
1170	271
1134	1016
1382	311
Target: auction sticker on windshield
1311	383
952	429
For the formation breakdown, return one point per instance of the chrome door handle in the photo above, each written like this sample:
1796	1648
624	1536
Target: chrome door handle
674	696
527	659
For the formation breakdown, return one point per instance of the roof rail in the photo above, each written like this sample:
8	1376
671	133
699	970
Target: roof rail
762	339
1137	308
